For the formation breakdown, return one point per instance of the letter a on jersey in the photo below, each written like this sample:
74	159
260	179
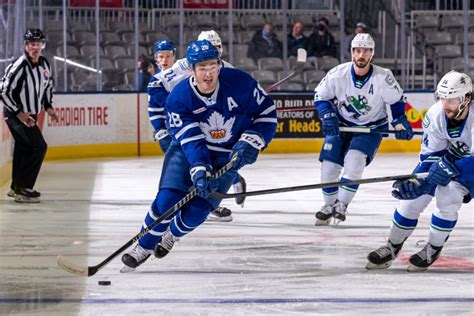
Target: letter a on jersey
231	103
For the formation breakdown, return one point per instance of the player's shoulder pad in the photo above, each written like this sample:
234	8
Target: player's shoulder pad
385	74
339	70
236	78
432	115
183	64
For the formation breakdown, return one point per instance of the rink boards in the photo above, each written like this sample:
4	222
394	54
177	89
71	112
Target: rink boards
116	124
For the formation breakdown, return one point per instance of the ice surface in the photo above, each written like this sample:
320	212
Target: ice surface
270	260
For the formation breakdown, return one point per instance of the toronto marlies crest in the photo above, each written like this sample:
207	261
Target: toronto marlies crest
217	129
357	106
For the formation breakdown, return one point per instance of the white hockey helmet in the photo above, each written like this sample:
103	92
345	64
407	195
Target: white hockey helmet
363	40
212	37
455	85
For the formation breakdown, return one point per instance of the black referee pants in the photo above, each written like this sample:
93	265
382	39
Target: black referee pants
28	153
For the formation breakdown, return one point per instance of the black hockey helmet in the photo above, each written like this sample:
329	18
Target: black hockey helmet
34	35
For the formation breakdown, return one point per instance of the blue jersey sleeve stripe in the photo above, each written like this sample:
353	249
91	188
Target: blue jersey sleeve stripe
192	139
268	110
266	120
150	109
185	129
155	117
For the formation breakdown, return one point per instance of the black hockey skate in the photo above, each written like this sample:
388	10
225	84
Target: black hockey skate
220	214
134	258
323	217
240	187
27	195
165	245
422	260
383	257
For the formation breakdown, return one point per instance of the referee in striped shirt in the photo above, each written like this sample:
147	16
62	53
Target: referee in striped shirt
25	89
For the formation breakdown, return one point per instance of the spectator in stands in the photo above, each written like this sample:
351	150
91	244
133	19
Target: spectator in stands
265	44
360	28
143	75
296	39
152	67
321	43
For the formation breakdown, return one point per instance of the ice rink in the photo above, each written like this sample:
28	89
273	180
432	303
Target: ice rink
270	260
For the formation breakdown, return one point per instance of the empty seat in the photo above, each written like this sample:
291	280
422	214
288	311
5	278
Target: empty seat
448	51
427	21
168	20
153	37
244	63
129	77
114	51
313	76
291	86
105	64
327	64
311	86
436	38
90	51
292	61
246	37
110	38
264	76
458	63
84	37
452	21
120	26
224	34
223	21
459	39
71	50
252	22
270	63
240	51
129	37
125	63
75	26
203	21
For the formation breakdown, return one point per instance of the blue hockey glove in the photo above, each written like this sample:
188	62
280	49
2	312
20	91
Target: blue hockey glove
163	138
203	180
403	129
330	122
410	189
442	171
247	149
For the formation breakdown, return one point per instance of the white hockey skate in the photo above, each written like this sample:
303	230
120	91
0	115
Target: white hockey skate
339	212
324	216
134	258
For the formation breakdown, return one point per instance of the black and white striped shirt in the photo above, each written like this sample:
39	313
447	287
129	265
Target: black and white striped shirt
27	87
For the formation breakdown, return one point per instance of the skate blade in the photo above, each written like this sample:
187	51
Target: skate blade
320	222
26	200
373	266
413	268
127	269
219	219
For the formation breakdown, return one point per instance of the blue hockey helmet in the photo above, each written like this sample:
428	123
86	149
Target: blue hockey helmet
164	45
199	51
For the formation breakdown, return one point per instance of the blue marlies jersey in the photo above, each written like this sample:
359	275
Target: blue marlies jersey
208	127
156	102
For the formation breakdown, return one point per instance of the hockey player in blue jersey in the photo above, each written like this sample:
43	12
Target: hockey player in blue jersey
354	94
212	115
165	54
161	85
447	153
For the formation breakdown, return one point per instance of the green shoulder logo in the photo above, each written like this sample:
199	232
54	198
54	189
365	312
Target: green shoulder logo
333	70
389	80
426	121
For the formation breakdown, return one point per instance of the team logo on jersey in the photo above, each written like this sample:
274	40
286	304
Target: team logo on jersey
357	106
460	150
217	129
389	80
426	121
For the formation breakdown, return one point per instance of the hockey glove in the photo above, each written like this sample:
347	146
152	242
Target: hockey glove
330	122
403	129
247	149
410	189
442	171
203	180
163	138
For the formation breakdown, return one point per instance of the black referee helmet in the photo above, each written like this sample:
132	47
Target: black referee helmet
34	35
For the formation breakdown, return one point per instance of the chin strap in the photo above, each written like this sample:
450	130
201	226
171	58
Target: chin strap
464	102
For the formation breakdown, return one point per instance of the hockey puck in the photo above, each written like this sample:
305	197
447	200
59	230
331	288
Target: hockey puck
105	283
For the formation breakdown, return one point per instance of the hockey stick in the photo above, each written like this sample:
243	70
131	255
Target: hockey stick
371	131
300	61
219	195
91	270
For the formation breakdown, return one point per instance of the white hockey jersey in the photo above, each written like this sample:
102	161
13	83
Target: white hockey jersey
180	70
360	103
437	138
